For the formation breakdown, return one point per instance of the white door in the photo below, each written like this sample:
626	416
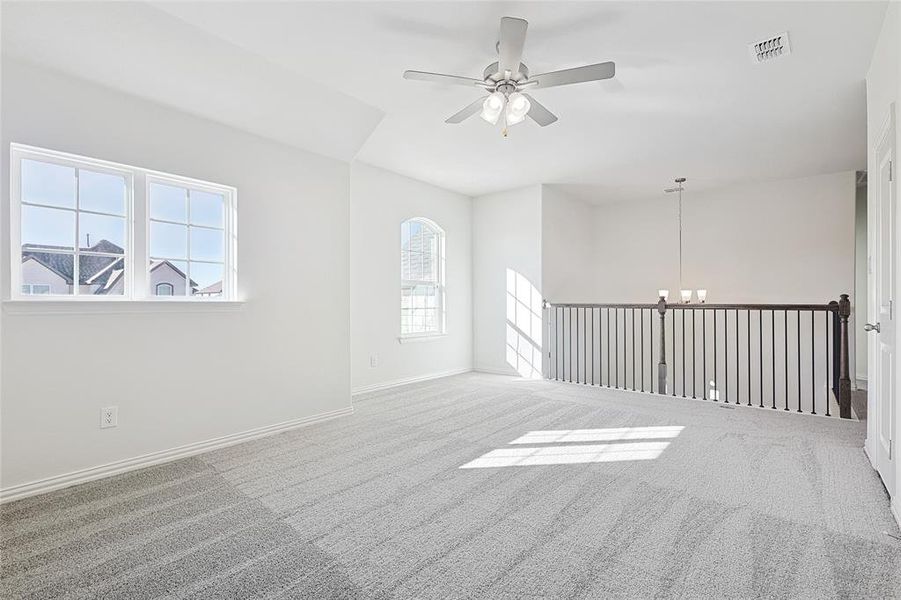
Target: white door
885	258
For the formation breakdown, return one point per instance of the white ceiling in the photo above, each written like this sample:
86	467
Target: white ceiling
686	101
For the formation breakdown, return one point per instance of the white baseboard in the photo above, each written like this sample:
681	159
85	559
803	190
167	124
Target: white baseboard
862	383
397	382
56	482
490	371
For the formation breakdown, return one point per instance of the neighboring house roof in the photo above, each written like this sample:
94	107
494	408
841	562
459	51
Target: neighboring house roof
215	288
93	270
51	266
101	271
157	264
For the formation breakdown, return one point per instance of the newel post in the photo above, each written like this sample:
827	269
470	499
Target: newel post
661	366
844	381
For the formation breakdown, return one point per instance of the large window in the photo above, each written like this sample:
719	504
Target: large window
74	233
422	307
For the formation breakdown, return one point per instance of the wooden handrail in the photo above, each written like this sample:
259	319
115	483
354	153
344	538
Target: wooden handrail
832	307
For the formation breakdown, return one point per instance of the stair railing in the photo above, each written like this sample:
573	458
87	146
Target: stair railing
792	357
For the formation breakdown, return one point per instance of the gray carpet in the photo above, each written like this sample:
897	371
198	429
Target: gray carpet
742	503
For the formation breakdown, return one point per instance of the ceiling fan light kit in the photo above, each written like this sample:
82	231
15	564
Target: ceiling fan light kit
506	80
492	107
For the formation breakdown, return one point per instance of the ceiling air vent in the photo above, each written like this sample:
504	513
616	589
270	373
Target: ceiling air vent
769	49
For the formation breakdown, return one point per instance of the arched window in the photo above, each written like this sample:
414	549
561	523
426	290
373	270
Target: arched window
165	289
422	309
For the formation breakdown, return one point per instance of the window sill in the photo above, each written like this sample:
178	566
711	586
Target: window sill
411	339
95	307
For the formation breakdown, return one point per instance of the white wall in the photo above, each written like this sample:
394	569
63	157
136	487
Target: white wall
779	241
568	271
177	377
380	201
506	258
884	89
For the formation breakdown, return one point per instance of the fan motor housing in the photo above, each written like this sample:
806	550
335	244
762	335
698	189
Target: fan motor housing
491	74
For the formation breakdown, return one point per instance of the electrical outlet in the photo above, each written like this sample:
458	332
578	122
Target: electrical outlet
109	417
373	360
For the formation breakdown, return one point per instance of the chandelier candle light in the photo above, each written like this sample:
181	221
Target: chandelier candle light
684	294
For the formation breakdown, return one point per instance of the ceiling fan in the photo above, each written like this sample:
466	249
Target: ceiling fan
506	80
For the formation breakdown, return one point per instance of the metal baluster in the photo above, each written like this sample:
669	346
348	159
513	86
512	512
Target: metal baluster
726	353
608	347
600	348
704	348
651	347
798	319
567	339
546	341
632	311
773	355
578	378
694	353
813	354
558	332
641	360
716	386
683	352
826	336
592	345
785	322
749	357
570	344
836	351
737	366
760	348
585	331
553	345
673	345
616	344
585	344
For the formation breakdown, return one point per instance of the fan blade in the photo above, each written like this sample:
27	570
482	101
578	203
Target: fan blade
441	78
597	72
539	113
467	112
511	39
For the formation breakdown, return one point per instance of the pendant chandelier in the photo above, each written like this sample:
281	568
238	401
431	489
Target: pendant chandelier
684	294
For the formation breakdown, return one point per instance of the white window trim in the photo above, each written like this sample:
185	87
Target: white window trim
137	248
441	286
